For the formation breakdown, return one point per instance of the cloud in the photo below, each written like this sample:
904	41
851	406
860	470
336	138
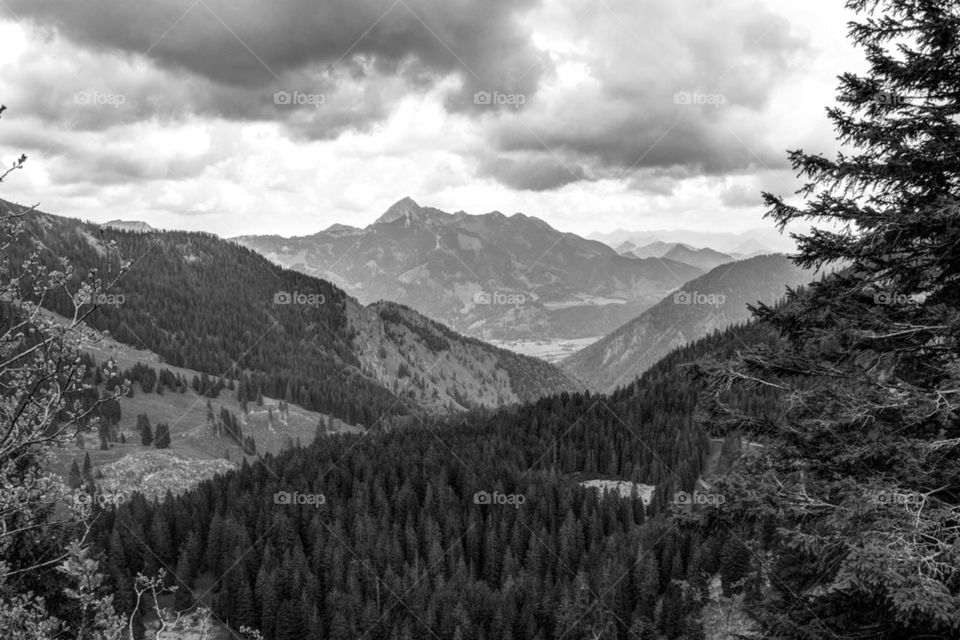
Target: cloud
657	90
531	172
257	44
738	196
654	90
156	111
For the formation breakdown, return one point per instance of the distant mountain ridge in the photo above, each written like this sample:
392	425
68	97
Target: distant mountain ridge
655	249
207	304
741	244
714	301
705	258
491	275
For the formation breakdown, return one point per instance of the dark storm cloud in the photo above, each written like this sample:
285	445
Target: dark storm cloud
667	92
256	43
634	141
66	97
532	173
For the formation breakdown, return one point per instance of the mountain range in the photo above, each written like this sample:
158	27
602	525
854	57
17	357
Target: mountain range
491	276
207	304
705	258
742	244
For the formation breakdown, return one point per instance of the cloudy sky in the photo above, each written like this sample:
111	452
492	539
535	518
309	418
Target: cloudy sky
285	116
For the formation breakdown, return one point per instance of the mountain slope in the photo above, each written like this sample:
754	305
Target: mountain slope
491	275
461	371
197	450
710	302
654	249
207	304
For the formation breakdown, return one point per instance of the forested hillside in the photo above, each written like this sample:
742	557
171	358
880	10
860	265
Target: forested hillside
400	546
205	304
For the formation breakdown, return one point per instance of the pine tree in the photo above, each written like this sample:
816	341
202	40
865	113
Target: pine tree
734	565
863	468
87	468
74	478
289	622
146	433
183	597
162	439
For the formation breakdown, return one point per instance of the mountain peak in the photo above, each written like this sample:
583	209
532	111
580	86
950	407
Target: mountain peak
340	228
403	208
129	225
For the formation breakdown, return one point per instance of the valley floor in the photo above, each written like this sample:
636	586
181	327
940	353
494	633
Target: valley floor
553	350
